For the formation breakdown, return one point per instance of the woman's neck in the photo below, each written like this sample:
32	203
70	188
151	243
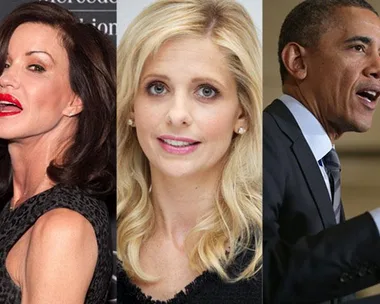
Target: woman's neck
30	158
29	164
180	202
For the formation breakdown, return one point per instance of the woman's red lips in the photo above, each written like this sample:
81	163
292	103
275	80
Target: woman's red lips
9	105
9	99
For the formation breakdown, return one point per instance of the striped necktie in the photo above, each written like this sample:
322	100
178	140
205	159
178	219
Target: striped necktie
332	165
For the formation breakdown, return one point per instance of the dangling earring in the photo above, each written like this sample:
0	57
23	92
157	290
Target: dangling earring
131	123
241	130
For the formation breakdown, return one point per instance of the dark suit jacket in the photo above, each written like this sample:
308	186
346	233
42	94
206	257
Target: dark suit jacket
307	257
369	300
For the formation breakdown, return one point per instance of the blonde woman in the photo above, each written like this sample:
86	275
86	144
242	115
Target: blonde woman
189	155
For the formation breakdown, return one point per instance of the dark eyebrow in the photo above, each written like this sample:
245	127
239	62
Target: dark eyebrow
364	39
40	52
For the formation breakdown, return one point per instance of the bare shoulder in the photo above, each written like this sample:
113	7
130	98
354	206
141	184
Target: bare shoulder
62	254
61	223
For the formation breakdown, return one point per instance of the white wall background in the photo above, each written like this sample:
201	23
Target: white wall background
129	9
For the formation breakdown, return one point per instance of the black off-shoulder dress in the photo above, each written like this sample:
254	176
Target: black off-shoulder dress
13	224
208	288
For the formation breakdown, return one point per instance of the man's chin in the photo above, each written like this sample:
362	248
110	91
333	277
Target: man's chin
358	126
362	126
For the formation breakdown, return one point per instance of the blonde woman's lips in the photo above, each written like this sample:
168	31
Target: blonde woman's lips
178	145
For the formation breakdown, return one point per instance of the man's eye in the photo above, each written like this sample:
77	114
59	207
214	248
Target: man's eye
359	48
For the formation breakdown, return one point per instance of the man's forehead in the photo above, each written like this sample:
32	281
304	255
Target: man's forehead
355	22
347	16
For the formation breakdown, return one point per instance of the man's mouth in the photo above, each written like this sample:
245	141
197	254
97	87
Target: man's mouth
370	95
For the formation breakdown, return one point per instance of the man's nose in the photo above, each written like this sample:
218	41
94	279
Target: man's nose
373	69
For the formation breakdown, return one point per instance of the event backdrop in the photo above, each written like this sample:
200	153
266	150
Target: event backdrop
100	13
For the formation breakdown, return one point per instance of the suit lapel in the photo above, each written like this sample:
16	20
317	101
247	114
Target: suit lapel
314	179
306	160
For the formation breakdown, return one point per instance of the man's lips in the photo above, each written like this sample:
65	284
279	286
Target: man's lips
369	92
7	100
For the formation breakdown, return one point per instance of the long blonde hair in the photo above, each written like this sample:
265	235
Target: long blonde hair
236	218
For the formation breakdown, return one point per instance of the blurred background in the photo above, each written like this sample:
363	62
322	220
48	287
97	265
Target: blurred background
359	153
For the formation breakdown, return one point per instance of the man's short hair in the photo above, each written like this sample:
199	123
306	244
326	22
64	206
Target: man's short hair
308	20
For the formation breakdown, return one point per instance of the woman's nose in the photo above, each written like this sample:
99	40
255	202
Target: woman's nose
9	78
179	113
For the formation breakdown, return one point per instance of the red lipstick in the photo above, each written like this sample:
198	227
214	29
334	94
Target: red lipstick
9	105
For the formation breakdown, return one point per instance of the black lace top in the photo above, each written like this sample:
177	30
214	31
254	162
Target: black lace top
13	224
207	288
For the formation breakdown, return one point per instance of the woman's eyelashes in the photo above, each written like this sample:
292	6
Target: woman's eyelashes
207	91
156	88
36	68
203	91
31	67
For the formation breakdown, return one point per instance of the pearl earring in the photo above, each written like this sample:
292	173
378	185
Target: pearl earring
241	130
131	123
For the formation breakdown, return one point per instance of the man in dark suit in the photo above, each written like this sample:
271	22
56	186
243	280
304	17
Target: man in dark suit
330	68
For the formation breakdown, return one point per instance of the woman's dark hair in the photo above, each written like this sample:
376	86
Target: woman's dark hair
89	162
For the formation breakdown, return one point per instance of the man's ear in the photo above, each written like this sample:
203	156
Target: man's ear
293	58
74	108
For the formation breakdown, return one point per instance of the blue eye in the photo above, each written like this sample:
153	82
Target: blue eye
207	91
156	88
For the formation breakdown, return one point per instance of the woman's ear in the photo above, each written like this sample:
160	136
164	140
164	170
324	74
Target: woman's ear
241	125
131	119
74	108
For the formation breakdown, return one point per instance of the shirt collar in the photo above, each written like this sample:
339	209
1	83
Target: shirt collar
315	135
